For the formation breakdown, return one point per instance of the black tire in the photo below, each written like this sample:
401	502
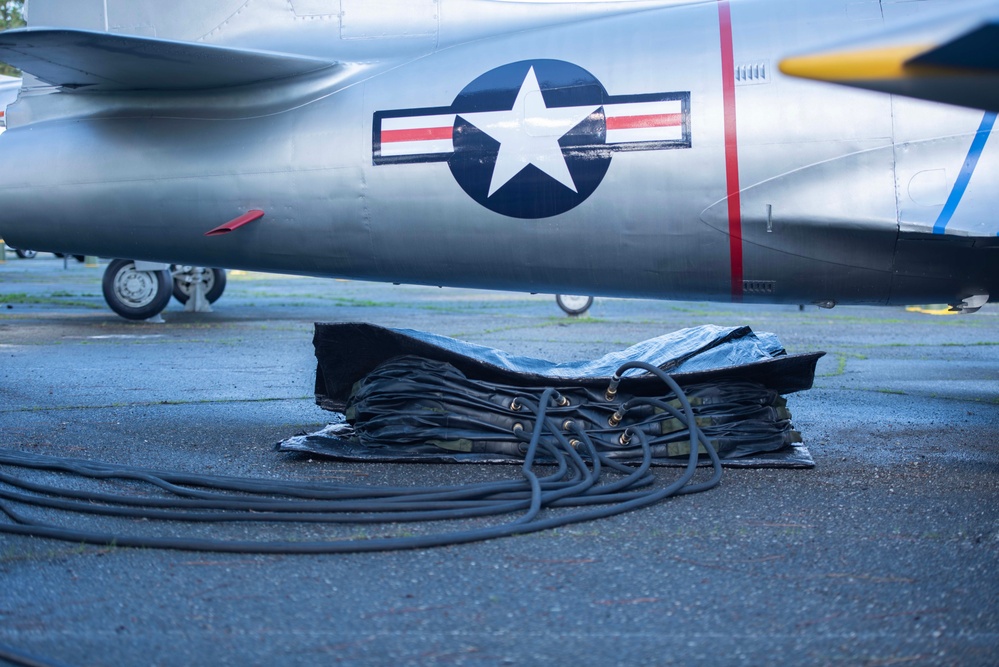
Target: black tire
215	282
26	254
135	295
573	305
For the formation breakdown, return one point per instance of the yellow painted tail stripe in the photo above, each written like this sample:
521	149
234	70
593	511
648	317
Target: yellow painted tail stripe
866	65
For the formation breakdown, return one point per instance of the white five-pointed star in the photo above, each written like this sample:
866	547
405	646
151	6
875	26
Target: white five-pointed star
528	134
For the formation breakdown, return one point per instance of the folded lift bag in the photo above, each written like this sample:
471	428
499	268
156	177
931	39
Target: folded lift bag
414	396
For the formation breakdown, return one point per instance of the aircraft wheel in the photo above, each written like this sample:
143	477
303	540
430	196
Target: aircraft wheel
573	304
26	254
215	281
135	295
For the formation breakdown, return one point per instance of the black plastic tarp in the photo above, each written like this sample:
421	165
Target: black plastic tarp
345	353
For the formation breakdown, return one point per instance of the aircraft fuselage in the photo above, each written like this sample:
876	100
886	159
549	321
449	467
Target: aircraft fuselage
646	152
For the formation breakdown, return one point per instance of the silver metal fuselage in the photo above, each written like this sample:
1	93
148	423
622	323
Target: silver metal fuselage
790	191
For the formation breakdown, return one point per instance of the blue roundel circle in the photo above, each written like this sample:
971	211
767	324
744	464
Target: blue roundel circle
530	138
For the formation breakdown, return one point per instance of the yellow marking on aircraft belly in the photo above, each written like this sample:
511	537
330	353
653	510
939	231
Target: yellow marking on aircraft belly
932	310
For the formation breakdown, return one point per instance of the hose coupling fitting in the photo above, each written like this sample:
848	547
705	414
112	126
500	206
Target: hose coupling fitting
612	388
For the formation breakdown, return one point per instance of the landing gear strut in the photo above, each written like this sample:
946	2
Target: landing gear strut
185	285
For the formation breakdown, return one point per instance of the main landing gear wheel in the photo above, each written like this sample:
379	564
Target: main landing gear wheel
573	304
26	254
183	282
133	294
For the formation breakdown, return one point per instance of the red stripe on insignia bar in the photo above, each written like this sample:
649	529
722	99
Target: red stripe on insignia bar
635	122
731	148
417	134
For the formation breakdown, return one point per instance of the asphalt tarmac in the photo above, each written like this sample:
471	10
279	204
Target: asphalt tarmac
884	554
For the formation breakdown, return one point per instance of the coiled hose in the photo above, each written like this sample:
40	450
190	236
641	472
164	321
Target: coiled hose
588	483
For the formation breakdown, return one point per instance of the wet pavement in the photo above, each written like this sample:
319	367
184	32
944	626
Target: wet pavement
885	553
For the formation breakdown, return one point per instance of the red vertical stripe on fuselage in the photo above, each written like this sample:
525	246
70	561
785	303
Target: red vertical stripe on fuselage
731	148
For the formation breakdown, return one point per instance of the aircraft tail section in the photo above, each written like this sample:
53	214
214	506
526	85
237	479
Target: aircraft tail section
100	61
951	58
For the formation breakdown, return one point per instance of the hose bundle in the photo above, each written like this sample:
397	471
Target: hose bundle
588	480
424	404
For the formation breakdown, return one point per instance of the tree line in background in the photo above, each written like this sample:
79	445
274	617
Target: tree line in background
11	16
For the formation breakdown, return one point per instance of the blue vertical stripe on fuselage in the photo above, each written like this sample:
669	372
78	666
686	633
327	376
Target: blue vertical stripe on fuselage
970	162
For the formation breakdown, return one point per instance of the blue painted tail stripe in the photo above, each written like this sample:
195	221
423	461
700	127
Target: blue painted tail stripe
970	162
